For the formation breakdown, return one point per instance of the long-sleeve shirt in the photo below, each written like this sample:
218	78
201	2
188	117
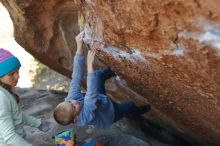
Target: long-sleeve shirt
96	109
12	120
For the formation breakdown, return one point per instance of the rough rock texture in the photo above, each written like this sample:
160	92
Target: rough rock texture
166	51
46	29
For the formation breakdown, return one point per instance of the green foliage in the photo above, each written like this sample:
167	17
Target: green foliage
46	78
80	21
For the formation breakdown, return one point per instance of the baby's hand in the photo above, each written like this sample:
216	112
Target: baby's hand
79	41
90	61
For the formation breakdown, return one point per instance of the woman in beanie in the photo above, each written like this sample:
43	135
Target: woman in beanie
12	118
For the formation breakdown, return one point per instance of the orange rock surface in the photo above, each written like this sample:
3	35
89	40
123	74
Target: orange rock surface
166	51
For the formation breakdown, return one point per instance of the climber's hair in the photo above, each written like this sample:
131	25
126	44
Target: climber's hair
62	115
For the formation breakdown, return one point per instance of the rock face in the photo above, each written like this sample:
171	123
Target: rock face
166	51
46	29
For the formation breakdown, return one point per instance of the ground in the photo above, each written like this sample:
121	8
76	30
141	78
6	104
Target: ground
139	131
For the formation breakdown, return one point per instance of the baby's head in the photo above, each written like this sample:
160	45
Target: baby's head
67	112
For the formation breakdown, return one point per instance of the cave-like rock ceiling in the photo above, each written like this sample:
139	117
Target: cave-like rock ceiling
166	51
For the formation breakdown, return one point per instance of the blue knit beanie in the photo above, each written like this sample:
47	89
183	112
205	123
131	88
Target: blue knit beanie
8	62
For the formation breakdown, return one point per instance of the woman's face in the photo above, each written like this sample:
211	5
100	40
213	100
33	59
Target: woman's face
11	78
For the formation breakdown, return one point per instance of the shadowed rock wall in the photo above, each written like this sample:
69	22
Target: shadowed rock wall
166	51
46	29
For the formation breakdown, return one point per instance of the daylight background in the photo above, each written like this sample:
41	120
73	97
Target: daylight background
32	73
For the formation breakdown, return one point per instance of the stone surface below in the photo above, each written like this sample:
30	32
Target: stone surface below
139	131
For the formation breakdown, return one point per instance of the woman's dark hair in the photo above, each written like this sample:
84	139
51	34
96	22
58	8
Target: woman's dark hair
8	88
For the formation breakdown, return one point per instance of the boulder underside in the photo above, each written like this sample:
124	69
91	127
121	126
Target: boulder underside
168	52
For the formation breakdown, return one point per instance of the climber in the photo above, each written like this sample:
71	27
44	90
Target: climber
93	107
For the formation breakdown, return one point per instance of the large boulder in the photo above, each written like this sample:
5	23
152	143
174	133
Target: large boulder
166	51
